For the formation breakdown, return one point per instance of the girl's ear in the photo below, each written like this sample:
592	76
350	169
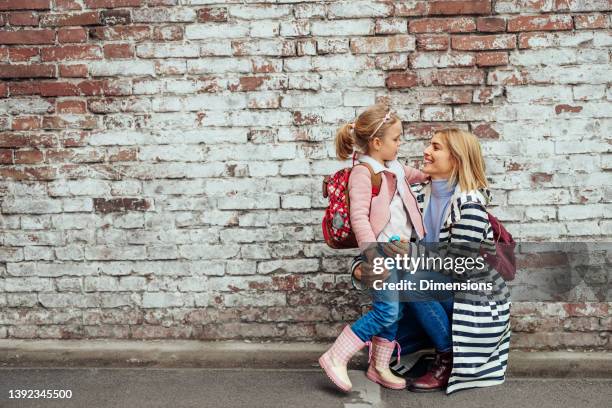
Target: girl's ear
376	143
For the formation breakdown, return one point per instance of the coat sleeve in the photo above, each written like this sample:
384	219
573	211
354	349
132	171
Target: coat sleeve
414	176
469	231
360	196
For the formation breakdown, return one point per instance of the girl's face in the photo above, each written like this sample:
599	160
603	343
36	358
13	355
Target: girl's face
388	146
438	161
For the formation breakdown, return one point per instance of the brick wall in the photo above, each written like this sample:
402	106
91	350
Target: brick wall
161	160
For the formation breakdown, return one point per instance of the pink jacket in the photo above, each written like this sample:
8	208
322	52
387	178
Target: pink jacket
369	215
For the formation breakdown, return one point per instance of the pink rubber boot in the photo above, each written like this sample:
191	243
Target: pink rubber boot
378	371
335	360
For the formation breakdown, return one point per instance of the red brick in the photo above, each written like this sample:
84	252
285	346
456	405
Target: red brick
24	88
72	35
71	106
490	59
58	89
424	130
71	52
133	33
586	309
483	42
27	71
248	83
26	123
28	156
29	173
58	122
590	21
116	17
442	25
26	18
453	7
124	154
432	42
107	4
80	19
3	90
485	131
18	140
103	205
458	76
564	108
25	5
73	71
214	14
112	51
540	23
23	54
401	80
410	8
539	178
91	88
6	156
66	5
491	24
23	37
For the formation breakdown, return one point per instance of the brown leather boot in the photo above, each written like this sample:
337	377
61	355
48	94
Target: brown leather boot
437	376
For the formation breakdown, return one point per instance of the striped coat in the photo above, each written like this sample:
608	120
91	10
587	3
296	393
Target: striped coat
481	321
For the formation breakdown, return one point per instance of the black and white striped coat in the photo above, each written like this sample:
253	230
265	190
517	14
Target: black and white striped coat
481	321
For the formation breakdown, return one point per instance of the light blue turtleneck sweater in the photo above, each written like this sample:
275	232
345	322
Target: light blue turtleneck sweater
438	203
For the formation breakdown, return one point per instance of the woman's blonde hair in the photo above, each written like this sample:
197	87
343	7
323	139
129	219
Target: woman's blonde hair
371	123
469	166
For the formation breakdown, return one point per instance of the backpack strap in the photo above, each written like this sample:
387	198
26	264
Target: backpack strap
376	179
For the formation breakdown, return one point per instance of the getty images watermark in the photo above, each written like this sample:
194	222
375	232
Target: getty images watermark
411	264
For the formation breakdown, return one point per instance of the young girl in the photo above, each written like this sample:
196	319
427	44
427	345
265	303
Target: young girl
377	134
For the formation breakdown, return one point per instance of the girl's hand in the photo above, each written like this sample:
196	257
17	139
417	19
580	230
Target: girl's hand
357	273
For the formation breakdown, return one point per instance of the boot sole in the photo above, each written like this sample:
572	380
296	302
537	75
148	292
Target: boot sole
325	368
375	378
424	390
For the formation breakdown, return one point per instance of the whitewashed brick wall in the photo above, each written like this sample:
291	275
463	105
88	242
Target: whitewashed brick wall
161	161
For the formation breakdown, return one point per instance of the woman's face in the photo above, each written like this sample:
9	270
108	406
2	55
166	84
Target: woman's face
437	159
388	146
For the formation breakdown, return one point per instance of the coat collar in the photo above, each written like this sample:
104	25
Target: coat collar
391	165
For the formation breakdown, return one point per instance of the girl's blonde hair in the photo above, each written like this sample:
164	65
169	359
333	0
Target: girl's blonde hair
369	124
469	166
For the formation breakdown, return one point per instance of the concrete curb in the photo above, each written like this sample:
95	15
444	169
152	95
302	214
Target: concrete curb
232	354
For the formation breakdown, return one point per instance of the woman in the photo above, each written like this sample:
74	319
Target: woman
470	331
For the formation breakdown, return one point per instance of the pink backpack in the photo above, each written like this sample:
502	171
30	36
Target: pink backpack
336	220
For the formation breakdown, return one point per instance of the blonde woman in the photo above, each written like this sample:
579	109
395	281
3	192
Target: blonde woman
469	330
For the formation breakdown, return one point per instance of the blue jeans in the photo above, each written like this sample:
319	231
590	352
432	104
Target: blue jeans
381	321
429	322
383	318
425	317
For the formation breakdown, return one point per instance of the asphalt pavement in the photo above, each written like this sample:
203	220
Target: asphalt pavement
269	388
